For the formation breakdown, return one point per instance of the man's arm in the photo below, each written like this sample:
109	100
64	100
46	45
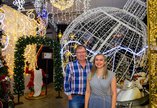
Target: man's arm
67	81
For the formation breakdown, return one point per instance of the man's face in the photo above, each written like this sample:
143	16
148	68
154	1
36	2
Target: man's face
81	54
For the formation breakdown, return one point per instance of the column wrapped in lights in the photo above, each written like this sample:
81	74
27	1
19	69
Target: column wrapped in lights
152	39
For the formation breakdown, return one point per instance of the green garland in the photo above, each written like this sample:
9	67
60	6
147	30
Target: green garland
19	61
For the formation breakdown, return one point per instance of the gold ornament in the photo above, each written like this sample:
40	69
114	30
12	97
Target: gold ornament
62	4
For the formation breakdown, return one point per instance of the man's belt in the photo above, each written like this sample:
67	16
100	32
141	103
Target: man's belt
77	95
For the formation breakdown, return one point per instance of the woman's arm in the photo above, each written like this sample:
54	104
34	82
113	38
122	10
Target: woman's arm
87	94
114	92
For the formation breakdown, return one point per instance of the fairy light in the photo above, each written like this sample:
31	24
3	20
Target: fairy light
108	52
19	4
64	11
38	5
62	4
67	53
5	41
2	17
14	28
60	34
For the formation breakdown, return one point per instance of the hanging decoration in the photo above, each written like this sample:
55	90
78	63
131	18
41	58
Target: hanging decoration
62	4
44	13
64	11
42	16
38	5
42	20
41	26
19	4
60	34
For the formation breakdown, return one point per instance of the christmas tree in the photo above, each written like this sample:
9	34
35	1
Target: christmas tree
6	98
5	95
58	70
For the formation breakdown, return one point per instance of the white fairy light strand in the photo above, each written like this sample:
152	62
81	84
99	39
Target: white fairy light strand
136	7
19	4
69	14
2	17
108	52
38	4
6	43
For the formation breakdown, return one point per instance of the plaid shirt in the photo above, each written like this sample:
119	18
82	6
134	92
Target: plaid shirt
76	77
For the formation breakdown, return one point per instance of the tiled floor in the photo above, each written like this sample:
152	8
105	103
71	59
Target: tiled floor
50	101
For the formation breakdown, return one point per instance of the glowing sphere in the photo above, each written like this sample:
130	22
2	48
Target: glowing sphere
114	32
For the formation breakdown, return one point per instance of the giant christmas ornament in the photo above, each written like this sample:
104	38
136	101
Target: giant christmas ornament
118	34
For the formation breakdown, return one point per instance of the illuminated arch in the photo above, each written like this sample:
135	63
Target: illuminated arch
19	61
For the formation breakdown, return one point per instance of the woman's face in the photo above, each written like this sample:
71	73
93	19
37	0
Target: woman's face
100	61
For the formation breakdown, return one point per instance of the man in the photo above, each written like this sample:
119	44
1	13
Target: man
76	77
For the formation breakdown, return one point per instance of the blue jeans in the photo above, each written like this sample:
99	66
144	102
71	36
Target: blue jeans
77	102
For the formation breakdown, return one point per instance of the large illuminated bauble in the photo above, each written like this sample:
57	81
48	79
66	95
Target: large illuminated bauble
118	34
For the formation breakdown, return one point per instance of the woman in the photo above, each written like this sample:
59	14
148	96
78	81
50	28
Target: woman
101	85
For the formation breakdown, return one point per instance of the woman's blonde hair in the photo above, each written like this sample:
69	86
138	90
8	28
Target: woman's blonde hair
93	70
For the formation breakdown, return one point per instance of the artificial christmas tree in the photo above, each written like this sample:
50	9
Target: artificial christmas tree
6	98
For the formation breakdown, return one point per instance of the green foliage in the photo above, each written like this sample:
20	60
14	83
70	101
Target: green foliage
3	75
58	68
19	60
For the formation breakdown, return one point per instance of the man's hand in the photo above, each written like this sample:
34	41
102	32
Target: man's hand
69	97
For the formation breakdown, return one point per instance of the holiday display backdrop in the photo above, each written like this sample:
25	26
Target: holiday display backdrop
20	61
121	35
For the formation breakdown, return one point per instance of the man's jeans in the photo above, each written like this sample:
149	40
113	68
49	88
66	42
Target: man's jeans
77	101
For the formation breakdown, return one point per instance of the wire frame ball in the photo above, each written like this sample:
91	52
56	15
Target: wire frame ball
118	34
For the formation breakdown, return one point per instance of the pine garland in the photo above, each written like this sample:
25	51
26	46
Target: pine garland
19	61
